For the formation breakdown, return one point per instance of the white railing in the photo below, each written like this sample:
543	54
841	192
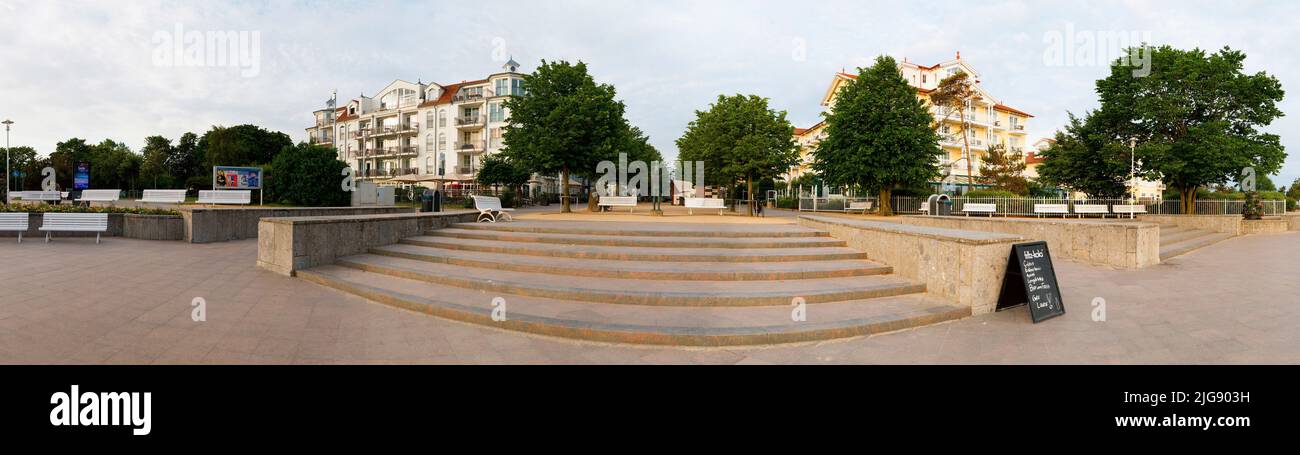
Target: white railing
1024	206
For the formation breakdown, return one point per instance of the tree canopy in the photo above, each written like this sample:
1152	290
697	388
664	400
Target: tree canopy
739	138
879	136
1005	170
1196	117
565	122
1086	160
307	175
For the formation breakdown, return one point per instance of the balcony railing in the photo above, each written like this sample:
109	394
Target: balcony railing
379	173
471	121
470	146
468	98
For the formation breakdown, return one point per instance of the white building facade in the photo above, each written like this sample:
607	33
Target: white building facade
442	131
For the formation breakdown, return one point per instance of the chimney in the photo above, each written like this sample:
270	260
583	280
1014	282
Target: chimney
958	55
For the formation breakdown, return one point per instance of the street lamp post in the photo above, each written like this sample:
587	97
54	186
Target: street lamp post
8	173
1132	184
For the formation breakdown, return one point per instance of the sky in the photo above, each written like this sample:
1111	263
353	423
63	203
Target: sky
107	70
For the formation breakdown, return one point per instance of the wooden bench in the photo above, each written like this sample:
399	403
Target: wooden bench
46	196
1130	210
1051	209
1091	209
14	222
74	222
693	203
490	209
979	208
618	201
163	196
215	197
864	206
109	196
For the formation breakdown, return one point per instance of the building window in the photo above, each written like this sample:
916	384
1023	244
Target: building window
428	119
516	87
428	142
496	112
502	87
442	141
442	118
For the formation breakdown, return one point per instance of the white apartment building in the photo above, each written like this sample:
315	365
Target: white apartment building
442	131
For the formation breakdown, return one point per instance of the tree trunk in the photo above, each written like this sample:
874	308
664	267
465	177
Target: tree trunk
1187	197
965	141
886	209
749	185
564	190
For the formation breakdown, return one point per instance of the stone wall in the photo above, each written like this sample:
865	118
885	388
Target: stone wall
129	225
1121	244
221	224
286	245
1228	224
965	267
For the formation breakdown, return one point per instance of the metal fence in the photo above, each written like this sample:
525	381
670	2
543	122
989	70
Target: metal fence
1025	206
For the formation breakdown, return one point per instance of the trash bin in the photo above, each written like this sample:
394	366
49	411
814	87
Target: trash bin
945	207
426	201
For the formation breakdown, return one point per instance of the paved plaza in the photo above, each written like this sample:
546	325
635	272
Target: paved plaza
130	301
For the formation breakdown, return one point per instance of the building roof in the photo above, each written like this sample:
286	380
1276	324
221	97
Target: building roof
1012	110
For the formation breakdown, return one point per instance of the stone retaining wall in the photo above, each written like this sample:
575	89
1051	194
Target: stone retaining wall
129	225
286	245
1121	244
965	267
221	224
1227	224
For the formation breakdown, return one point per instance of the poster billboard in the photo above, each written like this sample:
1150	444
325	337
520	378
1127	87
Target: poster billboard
236	178
81	178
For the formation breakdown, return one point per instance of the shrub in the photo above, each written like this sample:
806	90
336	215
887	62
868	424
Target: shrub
67	208
788	202
307	175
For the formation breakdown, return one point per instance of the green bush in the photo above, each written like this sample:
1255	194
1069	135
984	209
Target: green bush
992	193
788	202
307	175
68	208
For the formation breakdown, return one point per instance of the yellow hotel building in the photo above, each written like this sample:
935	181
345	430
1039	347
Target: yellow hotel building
990	121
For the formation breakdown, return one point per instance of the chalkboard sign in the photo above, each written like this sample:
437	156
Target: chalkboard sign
1031	280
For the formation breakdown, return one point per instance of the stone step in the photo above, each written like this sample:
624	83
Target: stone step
1186	246
1169	238
636	240
622	253
652	325
1171	229
649	229
637	292
646	270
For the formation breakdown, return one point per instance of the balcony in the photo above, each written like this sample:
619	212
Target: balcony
389	173
468	98
1017	129
399	129
467	171
471	122
470	146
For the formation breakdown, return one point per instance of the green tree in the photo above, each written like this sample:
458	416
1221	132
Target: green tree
240	145
153	170
1005	170
307	175
740	139
23	161
65	157
1083	159
186	161
564	122
1196	117
1294	191
498	170
879	136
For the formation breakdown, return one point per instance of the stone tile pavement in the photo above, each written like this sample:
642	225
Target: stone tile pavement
129	301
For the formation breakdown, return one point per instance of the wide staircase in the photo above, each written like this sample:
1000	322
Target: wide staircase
643	283
1177	240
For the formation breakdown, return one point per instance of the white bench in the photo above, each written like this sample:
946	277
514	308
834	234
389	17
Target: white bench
109	196
864	206
1051	209
211	197
163	196
1130	210
47	196
14	222
490	209
693	203
74	222
618	201
979	208
1091	209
